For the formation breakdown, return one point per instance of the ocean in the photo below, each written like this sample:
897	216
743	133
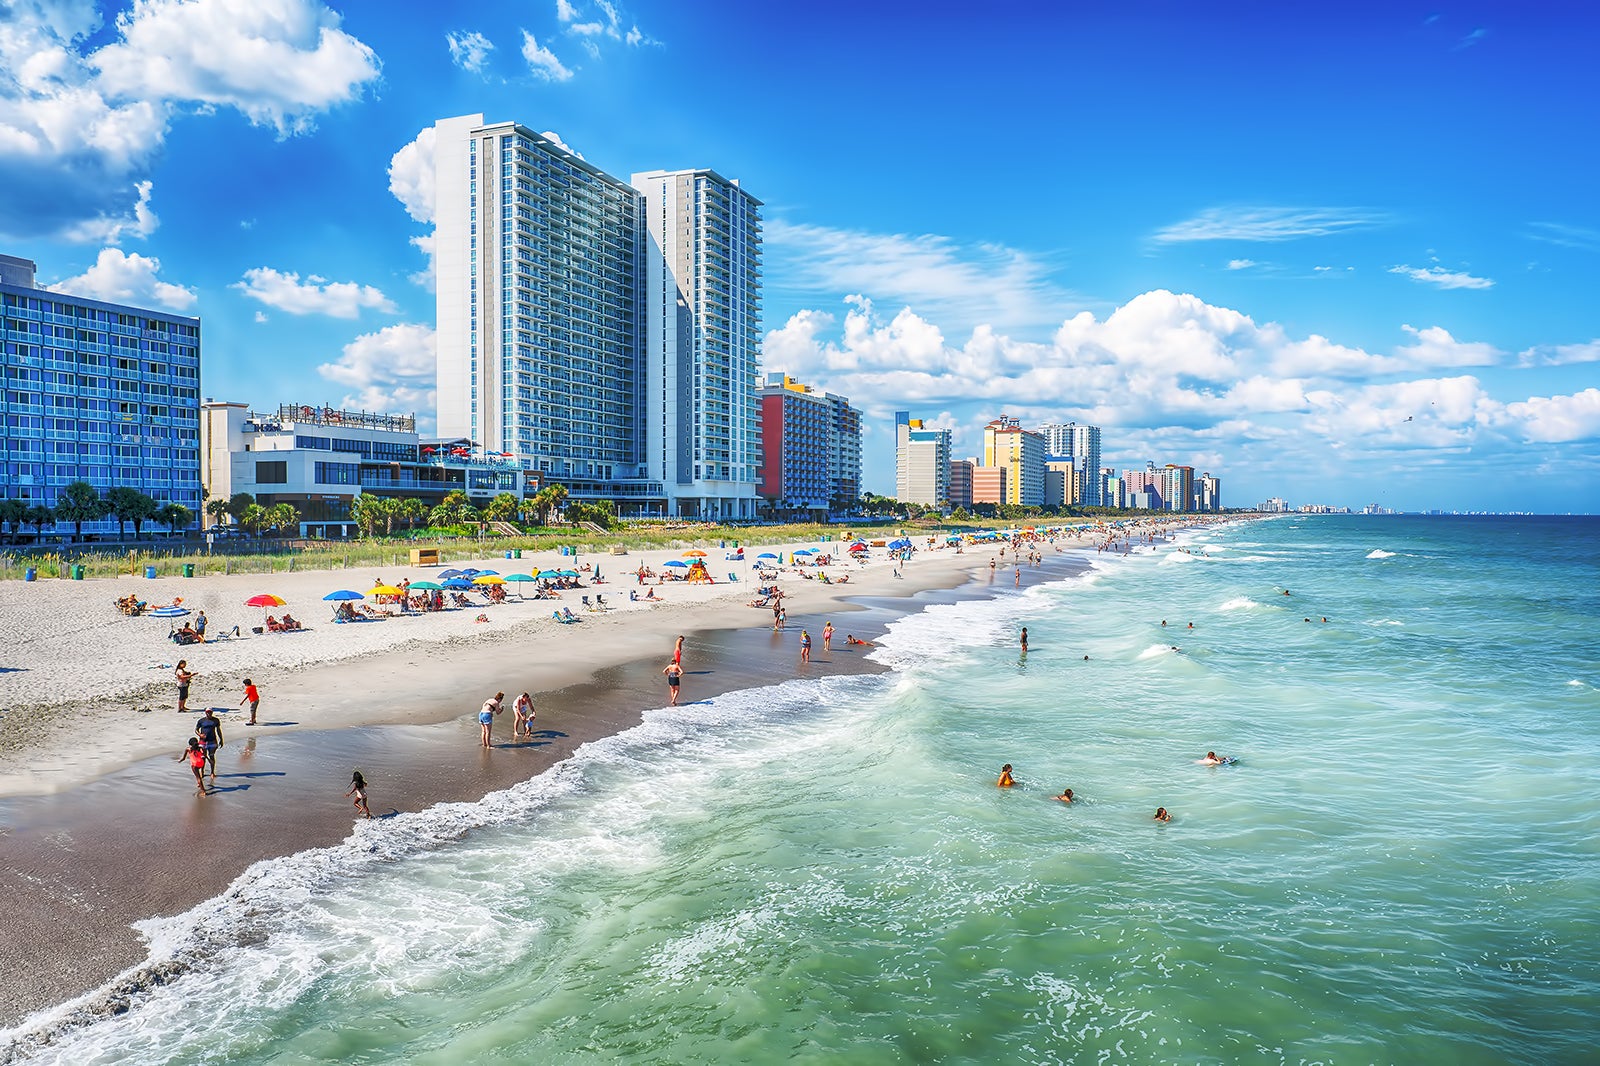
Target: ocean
1403	864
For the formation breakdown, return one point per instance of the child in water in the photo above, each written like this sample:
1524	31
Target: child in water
1066	795
1006	780
1162	815
358	789
197	763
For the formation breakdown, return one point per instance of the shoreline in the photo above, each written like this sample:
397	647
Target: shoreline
85	863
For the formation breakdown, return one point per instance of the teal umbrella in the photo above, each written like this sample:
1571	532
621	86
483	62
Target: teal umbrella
426	585
520	579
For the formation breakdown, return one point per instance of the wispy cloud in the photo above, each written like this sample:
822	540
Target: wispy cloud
1472	38
1560	354
1241	264
1268	224
1442	278
1580	237
469	51
973	283
543	62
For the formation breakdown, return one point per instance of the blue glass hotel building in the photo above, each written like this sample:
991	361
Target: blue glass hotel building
97	392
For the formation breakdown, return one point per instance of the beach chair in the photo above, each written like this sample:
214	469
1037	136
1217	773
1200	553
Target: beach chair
568	616
587	606
733	577
599	602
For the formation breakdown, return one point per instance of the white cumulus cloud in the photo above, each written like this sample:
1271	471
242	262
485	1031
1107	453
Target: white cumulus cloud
392	370
469	51
1442	278
82	123
1558	419
314	296
411	176
120	277
541	61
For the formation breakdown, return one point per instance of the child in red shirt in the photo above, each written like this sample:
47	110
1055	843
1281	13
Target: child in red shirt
252	697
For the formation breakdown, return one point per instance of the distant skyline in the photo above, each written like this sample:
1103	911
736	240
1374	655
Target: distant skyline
1342	256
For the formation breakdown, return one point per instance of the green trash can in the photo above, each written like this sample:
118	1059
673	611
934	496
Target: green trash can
188	570
77	571
519	553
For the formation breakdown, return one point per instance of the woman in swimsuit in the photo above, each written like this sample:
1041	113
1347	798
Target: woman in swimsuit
524	711
1006	780
1162	815
674	674
486	713
805	646
182	675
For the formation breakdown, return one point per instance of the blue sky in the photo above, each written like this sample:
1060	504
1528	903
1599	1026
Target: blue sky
1343	254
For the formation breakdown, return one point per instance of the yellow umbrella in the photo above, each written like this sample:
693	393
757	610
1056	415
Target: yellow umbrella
384	590
696	553
489	579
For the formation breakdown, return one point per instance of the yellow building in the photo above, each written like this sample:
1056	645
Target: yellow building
1021	453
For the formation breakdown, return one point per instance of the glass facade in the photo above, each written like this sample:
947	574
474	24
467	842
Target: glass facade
97	392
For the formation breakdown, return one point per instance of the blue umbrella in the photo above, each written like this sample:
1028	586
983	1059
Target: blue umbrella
766	555
458	583
484	573
676	562
806	551
470	572
169	612
345	594
448	574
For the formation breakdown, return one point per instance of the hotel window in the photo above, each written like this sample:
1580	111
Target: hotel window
273	473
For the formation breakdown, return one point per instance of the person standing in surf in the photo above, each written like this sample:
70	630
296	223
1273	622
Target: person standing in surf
674	674
209	730
486	714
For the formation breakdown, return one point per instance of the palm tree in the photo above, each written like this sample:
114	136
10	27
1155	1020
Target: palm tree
38	516
412	511
558	496
253	518
503	508
173	515
218	510
12	513
130	505
282	517
78	503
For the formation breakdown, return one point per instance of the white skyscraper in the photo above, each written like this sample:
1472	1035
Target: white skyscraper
1081	444
703	335
603	334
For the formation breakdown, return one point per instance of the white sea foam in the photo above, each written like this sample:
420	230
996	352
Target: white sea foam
1238	603
1156	649
1379	553
1385	622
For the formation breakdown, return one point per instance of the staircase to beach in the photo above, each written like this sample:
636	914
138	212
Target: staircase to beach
506	529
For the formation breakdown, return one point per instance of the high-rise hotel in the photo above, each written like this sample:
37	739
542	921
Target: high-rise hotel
95	391
604	333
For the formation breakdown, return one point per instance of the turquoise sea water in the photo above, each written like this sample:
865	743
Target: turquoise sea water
1403	867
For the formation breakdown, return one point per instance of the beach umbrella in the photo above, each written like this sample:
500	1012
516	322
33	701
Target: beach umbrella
483	573
695	553
806	551
266	599
488	579
676	562
568	573
549	575
383	590
459	583
516	577
470	572
448	574
426	586
169	612
766	555
344	594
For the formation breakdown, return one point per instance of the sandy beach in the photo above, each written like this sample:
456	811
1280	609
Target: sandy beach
102	827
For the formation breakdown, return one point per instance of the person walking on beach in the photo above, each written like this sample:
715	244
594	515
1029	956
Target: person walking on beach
358	789
827	636
523	726
200	626
486	713
182	675
209	730
805	646
674	674
252	696
197	764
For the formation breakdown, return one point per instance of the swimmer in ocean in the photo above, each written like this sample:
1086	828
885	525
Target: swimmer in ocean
1162	815
1006	780
1213	759
856	642
1066	795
